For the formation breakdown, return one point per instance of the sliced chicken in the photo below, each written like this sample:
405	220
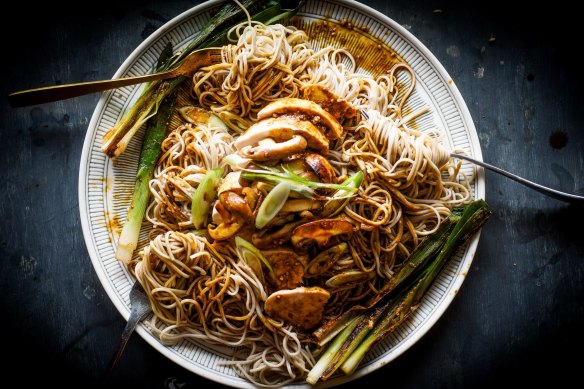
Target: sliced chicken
340	108
302	307
304	109
287	266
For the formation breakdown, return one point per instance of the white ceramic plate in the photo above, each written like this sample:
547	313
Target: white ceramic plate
105	186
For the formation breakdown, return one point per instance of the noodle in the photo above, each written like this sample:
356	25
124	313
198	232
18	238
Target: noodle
199	289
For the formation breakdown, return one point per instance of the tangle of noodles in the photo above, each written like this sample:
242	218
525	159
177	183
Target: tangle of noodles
199	289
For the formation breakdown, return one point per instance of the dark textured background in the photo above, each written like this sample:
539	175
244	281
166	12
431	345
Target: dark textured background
519	315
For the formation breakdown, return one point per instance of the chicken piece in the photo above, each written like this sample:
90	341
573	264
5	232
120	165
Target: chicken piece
304	109
302	307
287	266
319	231
340	108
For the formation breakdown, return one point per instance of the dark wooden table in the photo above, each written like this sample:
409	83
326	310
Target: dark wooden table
519	317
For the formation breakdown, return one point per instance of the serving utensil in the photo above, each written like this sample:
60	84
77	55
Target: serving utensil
567	197
140	308
193	62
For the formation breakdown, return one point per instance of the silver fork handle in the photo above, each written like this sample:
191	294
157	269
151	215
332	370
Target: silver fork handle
567	197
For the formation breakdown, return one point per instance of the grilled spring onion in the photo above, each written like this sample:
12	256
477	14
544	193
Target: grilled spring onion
340	199
372	326
322	364
424	252
203	197
254	258
298	184
272	204
153	137
214	33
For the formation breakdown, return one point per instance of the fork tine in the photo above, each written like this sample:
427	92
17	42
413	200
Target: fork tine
216	54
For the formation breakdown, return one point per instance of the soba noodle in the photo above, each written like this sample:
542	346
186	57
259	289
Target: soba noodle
199	289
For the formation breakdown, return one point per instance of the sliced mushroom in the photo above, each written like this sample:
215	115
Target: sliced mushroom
252	196
227	228
287	268
304	109
236	161
321	167
337	106
269	238
197	116
231	183
319	231
230	213
299	205
277	138
302	307
266	152
194	115
283	128
236	204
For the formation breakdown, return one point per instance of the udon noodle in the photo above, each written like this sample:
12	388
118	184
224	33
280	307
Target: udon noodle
200	290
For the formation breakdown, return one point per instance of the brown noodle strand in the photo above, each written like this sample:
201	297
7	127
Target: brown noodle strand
200	290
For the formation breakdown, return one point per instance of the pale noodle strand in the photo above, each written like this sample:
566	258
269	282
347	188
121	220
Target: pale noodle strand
200	291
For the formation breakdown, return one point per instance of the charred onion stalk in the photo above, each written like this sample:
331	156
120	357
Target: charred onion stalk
423	253
369	328
155	134
214	33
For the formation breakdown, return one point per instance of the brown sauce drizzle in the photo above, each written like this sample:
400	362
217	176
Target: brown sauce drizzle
370	53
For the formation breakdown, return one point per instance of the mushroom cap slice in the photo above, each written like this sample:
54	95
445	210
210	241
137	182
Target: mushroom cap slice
268	238
305	109
321	167
319	231
337	106
287	267
227	228
281	129
268	150
302	307
299	205
231	183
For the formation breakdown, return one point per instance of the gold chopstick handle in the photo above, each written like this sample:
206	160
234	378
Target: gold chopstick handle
61	92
